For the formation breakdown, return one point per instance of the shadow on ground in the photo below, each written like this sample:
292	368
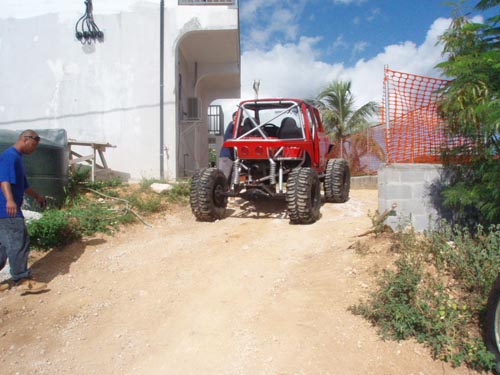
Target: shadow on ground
58	262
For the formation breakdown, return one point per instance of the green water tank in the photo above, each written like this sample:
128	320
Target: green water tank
47	167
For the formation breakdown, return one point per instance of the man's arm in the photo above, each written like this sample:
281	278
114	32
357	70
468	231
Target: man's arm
9	198
32	193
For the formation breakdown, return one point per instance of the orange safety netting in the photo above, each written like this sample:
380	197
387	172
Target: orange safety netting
410	131
414	131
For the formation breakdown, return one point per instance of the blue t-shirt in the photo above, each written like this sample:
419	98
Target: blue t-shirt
225	151
12	170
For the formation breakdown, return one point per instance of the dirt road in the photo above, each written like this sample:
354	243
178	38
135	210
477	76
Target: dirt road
248	295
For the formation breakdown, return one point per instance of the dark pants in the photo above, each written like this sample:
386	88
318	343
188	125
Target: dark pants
14	245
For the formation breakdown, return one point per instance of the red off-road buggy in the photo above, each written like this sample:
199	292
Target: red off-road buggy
280	152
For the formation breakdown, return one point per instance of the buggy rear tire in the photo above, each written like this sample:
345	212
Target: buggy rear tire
337	181
208	203
492	326
303	196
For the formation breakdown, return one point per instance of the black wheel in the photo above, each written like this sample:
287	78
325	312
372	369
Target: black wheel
303	196
337	181
205	195
492	326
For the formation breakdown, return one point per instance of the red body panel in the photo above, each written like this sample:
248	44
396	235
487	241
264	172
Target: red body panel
257	146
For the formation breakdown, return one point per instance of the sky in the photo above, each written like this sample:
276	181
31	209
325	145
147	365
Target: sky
295	48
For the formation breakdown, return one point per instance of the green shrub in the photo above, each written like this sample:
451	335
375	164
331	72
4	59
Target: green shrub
53	229
472	260
57	228
146	183
100	210
76	179
437	293
94	217
79	179
146	201
102	185
472	192
212	157
395	309
145	204
179	191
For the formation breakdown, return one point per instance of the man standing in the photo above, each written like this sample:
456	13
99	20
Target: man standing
226	156
14	240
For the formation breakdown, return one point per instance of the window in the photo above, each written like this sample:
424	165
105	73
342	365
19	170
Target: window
215	120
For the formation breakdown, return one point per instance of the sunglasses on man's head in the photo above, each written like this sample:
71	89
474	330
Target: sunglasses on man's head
36	139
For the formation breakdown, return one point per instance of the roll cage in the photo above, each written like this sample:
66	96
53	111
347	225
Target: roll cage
270	138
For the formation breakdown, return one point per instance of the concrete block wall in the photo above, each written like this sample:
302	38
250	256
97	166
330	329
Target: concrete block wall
408	186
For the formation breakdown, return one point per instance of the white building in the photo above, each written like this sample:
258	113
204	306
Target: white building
110	91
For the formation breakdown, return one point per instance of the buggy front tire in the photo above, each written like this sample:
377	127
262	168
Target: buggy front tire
337	181
303	196
206	196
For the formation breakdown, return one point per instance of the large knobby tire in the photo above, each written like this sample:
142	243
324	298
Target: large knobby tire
193	193
492	326
303	196
205	195
337	181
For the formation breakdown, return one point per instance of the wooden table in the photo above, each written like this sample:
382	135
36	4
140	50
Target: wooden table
97	149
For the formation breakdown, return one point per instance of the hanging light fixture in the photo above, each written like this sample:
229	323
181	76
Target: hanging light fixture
86	30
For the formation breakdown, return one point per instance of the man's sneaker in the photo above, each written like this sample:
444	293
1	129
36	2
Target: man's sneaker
4	287
30	285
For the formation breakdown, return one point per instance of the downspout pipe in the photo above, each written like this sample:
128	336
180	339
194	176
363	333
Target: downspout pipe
162	46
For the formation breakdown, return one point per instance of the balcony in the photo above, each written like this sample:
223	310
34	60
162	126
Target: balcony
208	2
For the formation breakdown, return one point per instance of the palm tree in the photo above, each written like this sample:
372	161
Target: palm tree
363	145
340	118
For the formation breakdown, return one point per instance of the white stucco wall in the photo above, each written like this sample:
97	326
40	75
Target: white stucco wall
106	92
192	150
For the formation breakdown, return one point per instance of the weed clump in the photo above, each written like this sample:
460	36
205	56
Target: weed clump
54	229
98	207
437	293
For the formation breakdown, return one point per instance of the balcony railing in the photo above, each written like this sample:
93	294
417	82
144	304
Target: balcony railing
208	2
